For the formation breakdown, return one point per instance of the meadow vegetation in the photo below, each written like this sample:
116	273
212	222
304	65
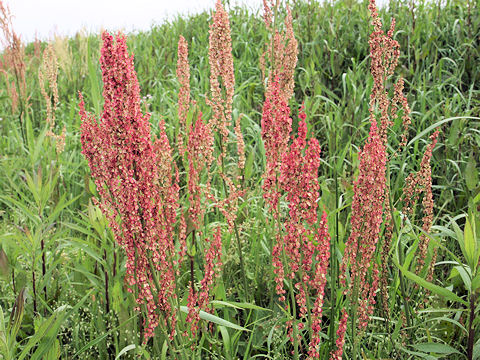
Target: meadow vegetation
297	183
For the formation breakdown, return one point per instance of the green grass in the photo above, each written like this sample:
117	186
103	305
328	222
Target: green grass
45	198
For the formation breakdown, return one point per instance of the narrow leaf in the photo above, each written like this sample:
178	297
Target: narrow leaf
436	348
432	287
215	319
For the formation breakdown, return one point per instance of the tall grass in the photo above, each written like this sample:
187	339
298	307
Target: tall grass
55	242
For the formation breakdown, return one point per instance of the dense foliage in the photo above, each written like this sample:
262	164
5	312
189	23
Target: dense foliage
68	285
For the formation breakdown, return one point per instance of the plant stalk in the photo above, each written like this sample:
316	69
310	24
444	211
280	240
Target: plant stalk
471	329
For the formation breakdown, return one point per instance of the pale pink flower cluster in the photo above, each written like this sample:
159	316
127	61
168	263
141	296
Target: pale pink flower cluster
367	217
200	157
134	179
222	79
340	342
183	76
302	253
281	52
276	128
415	184
200	300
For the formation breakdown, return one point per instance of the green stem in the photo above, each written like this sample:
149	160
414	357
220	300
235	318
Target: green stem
471	328
242	266
237	236
402	280
309	308
22	111
334	262
294	315
157	285
272	56
354	318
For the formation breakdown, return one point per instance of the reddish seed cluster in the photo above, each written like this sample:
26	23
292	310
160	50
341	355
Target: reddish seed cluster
267	13
200	140
340	342
318	282
13	61
281	53
199	301
222	86
303	252
47	74
371	203
133	178
183	76
222	79
384	253
400	98
415	184
367	217
276	129
200	156
384	53
240	143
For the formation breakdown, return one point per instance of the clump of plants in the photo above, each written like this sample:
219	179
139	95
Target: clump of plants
209	233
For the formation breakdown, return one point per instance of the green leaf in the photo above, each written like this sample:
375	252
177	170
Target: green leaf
48	330
14	205
270	338
215	319
476	282
124	350
226	341
249	165
54	352
4	348
4	267
459	237
476	350
237	305
470	244
94	81
432	287
477	198
437	124
16	316
436	348
164	350
471	174
466	278
453	274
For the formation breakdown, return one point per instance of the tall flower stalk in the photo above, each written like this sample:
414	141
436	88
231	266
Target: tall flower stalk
416	184
138	193
281	51
371	200
14	66
222	78
222	87
367	217
47	74
183	76
301	251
